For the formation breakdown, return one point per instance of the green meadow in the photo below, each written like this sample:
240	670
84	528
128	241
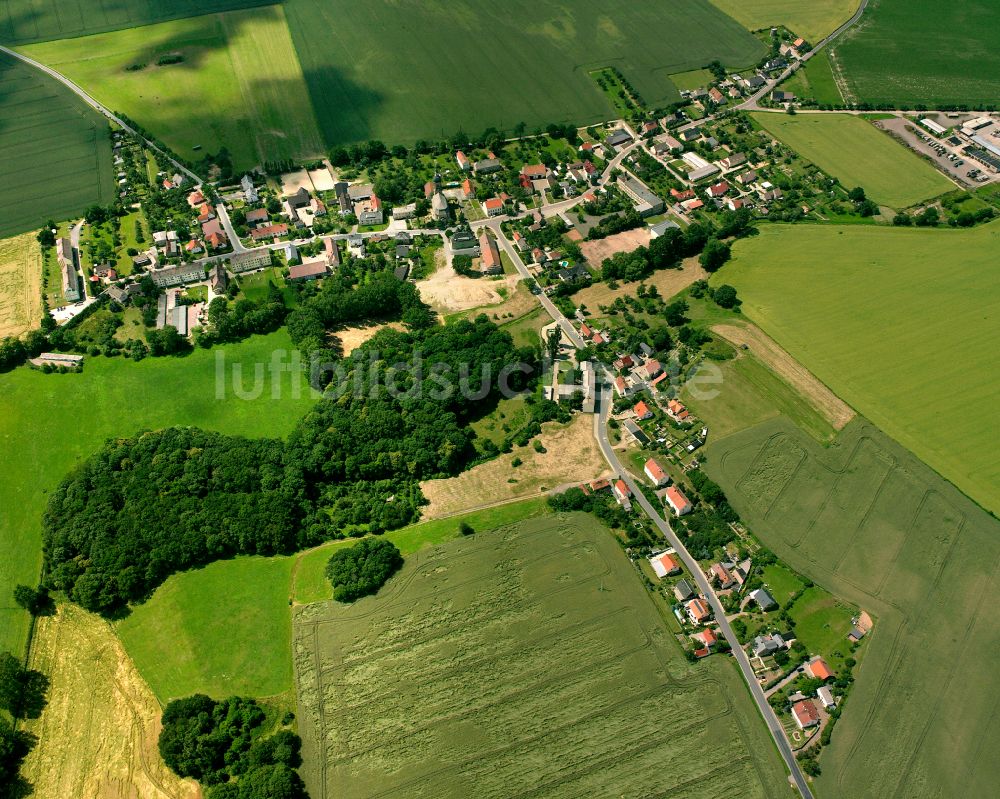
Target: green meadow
239	85
49	423
55	152
900	323
857	154
226	628
815	81
423	71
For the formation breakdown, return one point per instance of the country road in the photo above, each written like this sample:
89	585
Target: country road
79	92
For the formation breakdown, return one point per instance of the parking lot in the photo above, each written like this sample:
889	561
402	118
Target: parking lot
958	167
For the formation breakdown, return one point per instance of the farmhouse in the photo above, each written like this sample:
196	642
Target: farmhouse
407	211
534	171
656	474
678	503
310	270
805	713
331	252
622	388
707	637
718	189
67	266
463	161
697	611
664	564
683	591
257	215
493	206
651	368
486	166
491	263
733	160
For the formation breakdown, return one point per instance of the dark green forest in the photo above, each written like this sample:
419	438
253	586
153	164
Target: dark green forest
145	507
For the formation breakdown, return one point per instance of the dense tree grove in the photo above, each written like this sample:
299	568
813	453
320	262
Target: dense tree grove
14	746
145	507
362	569
221	744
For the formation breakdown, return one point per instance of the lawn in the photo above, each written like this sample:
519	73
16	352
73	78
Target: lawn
782	583
51	422
55	153
535	664
857	154
239	85
694	79
812	20
919	51
815	81
422	71
822	624
23	21
873	312
20	284
866	520
226	628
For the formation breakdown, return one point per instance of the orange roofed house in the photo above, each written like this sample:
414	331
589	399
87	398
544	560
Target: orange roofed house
656	474
677	410
818	669
697	611
664	565
677	501
642	411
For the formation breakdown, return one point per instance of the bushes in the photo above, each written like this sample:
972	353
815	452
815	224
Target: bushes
363	569
217	742
143	508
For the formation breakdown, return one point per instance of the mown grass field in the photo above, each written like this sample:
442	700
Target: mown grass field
867	520
23	21
812	20
239	86
55	153
20	284
920	51
379	70
227	628
815	81
901	323
51	422
857	154
534	662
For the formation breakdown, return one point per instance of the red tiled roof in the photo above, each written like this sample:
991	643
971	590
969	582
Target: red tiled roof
818	669
641	409
655	470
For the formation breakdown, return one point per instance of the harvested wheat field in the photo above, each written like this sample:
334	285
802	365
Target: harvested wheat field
837	412
446	291
97	735
667	281
20	284
354	336
571	456
596	251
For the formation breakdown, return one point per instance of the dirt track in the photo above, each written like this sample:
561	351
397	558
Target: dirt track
97	735
837	412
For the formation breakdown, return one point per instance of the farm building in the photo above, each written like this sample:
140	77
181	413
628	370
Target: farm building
622	491
721	575
677	410
310	270
491	263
